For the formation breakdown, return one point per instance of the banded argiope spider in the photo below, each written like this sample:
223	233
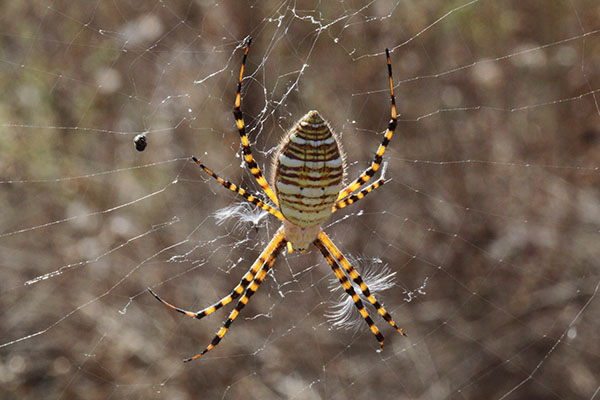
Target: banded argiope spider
308	173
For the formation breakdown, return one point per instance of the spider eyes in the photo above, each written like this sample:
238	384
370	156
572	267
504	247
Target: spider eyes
140	142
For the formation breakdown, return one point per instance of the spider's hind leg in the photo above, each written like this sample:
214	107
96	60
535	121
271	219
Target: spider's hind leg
208	310
278	243
237	291
335	254
350	290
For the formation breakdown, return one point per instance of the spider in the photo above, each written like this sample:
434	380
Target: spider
308	172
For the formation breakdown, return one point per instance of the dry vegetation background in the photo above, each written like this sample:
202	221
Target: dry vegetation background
493	208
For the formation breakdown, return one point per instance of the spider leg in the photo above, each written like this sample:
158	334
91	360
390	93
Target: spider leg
346	201
369	172
279	243
239	120
349	289
241	191
238	290
324	239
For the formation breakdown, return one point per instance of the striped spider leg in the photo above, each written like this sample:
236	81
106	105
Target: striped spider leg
307	177
239	120
353	198
266	260
369	172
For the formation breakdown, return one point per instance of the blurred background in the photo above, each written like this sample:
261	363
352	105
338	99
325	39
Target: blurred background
491	220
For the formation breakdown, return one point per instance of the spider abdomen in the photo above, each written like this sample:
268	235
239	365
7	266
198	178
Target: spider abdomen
309	170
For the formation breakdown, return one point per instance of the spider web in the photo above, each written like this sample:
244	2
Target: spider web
491	220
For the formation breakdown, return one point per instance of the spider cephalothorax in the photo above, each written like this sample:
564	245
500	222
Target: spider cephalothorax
308	176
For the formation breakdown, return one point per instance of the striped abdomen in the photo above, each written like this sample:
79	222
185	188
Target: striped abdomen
309	169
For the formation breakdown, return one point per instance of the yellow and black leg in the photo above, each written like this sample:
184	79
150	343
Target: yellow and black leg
369	172
333	250
241	191
279	245
345	202
239	120
238	290
349	290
